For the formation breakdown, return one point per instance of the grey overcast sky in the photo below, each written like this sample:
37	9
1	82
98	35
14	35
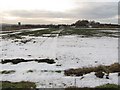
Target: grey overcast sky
58	11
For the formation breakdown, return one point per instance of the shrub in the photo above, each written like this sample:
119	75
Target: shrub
99	74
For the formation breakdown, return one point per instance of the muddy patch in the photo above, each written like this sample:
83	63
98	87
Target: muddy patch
16	61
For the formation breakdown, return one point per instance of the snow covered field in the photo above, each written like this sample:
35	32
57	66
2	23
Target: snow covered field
69	51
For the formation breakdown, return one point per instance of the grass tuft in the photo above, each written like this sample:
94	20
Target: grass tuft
30	71
101	87
7	72
24	85
109	86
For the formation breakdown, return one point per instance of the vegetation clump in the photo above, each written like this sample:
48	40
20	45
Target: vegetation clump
6	85
98	70
99	74
12	36
101	87
7	72
30	71
89	32
18	60
57	71
25	41
109	86
49	61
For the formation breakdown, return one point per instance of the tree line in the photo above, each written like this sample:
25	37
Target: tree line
77	24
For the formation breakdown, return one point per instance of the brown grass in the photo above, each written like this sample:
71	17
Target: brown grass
85	70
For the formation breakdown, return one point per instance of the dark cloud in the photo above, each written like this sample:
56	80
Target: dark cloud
97	10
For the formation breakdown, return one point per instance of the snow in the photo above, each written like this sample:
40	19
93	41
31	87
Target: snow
68	51
86	51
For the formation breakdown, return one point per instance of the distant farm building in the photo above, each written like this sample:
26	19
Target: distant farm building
19	23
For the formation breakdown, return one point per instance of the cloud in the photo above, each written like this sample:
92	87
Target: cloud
94	10
84	10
